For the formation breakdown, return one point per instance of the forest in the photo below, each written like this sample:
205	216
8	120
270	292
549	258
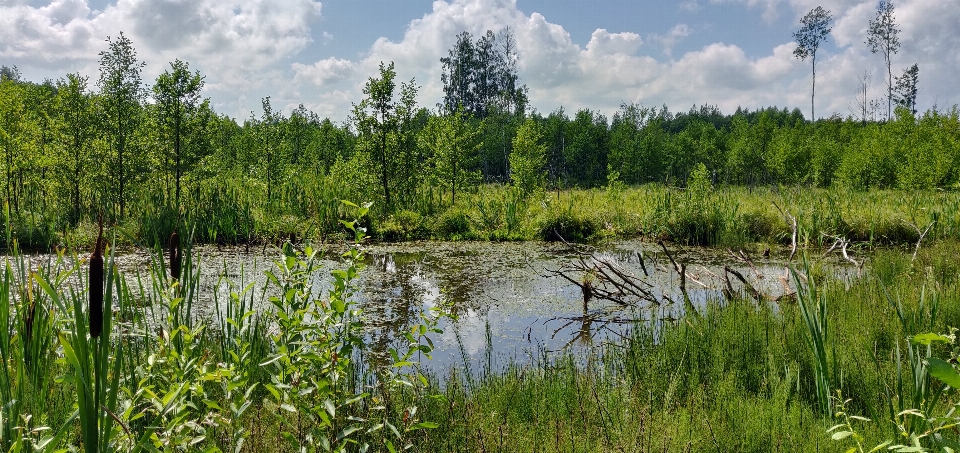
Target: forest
145	152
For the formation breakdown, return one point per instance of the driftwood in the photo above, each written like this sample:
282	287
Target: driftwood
602	279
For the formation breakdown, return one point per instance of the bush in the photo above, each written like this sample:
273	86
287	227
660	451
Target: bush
402	226
452	224
567	226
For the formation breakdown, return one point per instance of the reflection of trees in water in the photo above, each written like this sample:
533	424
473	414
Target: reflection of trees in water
400	284
392	302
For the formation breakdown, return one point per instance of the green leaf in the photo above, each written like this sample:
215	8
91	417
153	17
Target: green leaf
944	372
841	435
927	338
346	432
423	425
880	447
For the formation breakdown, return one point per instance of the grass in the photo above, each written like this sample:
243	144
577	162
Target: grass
228	211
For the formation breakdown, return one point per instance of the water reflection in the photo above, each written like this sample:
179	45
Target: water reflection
505	310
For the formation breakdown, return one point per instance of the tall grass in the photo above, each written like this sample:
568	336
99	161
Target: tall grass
235	210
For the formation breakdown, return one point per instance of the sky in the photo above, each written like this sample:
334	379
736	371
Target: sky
593	54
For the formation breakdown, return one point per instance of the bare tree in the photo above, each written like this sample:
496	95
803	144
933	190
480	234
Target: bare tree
815	27
882	37
861	104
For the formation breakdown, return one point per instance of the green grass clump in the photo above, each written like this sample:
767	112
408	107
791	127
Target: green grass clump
566	225
452	224
405	225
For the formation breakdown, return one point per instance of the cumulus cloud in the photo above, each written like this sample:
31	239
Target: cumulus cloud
671	38
252	49
324	72
235	43
608	70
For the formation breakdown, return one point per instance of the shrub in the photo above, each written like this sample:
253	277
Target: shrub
402	226
567	226
452	224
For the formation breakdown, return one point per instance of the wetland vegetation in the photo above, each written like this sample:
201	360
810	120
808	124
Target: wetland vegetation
854	223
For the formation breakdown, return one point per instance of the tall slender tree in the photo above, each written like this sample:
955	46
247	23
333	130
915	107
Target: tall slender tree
122	90
453	144
882	38
178	95
815	27
385	130
76	124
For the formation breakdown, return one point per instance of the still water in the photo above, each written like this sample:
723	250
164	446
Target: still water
509	302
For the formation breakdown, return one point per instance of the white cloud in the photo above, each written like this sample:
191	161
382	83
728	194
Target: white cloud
690	6
236	44
770	11
324	72
671	38
600	75
250	49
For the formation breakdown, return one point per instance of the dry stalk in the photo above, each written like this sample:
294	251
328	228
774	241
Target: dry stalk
920	239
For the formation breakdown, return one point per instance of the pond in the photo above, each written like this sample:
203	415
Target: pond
511	303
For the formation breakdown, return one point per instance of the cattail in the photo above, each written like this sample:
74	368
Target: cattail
175	256
96	286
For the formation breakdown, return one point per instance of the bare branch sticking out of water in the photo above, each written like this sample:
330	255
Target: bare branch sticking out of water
727	270
841	243
920	239
744	258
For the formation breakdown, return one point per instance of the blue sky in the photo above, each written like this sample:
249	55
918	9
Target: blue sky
576	54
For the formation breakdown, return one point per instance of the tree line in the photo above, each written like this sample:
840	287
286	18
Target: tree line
72	148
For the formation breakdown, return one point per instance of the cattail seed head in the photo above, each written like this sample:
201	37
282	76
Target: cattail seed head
175	258
96	286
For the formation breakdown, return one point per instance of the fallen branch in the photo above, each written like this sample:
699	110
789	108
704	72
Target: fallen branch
842	243
753	291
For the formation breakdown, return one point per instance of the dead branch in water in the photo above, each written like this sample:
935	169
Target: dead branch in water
791	220
841	243
602	279
727	271
744	258
920	239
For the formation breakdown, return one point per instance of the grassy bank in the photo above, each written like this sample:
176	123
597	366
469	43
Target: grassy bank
231	213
